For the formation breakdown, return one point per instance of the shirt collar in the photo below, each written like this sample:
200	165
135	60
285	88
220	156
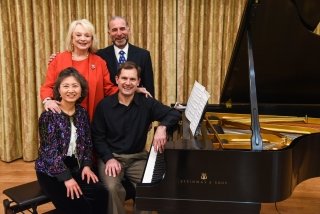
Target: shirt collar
115	101
125	49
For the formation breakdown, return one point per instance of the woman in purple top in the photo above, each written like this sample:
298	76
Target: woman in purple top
65	153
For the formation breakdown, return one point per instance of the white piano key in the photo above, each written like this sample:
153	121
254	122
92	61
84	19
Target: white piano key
147	178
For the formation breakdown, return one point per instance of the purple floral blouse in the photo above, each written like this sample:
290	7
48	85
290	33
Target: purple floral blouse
55	134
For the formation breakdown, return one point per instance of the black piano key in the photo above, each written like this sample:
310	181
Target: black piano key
159	168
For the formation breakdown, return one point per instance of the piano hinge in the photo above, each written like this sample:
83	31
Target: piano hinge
229	104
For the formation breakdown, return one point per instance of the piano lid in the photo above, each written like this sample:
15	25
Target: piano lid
286	54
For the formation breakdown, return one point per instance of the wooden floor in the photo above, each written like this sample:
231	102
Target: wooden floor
304	200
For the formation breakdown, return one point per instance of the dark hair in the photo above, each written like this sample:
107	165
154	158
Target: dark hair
68	72
118	17
129	65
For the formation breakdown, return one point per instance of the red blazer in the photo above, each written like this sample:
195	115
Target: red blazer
99	84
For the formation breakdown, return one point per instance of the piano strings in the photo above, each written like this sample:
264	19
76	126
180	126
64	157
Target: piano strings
277	131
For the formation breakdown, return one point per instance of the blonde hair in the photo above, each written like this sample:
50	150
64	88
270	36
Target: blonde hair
89	27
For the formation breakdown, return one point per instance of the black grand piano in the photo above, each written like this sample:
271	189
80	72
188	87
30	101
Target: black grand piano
263	138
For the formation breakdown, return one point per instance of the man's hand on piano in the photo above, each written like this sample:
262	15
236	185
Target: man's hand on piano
160	138
113	167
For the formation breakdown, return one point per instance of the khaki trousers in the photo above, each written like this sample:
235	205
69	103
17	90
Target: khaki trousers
132	167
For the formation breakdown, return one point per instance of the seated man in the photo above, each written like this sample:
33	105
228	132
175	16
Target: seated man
119	131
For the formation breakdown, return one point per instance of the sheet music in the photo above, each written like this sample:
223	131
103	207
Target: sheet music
196	103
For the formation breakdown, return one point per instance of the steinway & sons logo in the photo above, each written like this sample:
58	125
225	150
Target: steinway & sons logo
203	179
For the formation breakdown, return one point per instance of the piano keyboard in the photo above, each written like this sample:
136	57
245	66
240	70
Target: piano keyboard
155	168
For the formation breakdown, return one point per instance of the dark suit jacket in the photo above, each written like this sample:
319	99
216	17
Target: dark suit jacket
138	55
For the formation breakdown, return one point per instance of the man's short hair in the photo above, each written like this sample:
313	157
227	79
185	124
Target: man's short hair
118	17
128	65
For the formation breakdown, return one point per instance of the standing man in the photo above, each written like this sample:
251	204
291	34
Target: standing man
122	51
119	132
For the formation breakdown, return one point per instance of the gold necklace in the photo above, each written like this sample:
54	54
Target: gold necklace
79	57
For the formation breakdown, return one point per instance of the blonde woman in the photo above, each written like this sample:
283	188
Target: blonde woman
81	44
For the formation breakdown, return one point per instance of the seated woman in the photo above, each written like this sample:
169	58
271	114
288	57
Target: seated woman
65	153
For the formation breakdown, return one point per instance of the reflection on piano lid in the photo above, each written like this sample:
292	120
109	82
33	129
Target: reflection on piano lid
285	54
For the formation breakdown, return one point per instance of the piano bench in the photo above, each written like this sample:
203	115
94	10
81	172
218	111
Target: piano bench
24	197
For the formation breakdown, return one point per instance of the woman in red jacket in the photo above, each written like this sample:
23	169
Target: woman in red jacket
81	44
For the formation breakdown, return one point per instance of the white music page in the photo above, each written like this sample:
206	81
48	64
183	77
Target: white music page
196	104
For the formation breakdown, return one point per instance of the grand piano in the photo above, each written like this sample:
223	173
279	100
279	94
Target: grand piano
263	139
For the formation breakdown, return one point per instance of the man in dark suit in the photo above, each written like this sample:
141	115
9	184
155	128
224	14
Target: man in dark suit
122	50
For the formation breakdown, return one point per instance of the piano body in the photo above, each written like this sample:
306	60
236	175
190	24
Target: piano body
263	139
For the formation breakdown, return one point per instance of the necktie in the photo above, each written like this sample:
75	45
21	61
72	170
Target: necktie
122	59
